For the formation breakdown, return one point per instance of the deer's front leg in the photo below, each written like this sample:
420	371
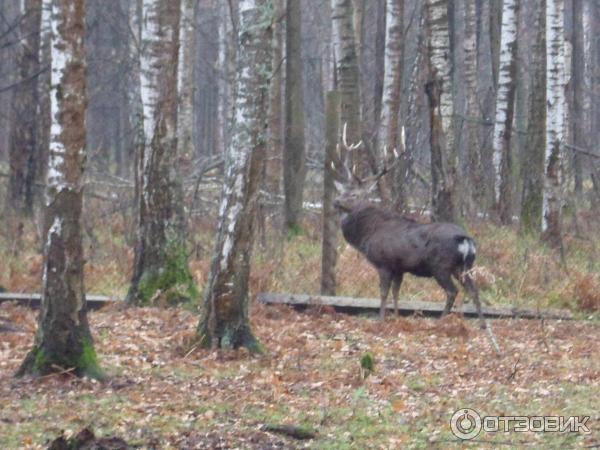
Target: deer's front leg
396	283
385	280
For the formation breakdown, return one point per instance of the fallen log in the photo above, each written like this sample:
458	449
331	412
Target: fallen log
434	309
34	300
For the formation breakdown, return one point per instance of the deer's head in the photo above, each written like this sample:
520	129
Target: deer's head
352	190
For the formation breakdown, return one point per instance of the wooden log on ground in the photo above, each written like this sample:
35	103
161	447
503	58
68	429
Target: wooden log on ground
33	300
357	305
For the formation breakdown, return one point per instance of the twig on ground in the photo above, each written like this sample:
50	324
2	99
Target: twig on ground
61	371
512	374
490	333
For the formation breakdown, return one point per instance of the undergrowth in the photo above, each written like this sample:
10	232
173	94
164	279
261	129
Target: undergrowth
510	268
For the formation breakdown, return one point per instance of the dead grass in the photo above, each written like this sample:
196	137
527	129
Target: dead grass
509	269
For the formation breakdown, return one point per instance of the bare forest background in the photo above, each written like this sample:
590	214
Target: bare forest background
493	162
185	156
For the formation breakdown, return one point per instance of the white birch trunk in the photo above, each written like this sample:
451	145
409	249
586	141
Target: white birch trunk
225	320
588	73
335	47
222	81
63	339
475	175
56	178
555	116
240	148
505	87
149	59
439	45
161	224
390	105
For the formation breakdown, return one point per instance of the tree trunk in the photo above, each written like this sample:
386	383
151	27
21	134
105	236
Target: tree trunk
44	87
533	172
161	274
392	84
348	74
329	218
555	122
441	108
495	19
24	123
63	339
185	79
505	106
224	322
294	170
474	149
272	175
10	12
580	106
208	84
135	102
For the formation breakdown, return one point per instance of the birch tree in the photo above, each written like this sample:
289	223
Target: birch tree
63	339
160	273
224	322
555	121
392	83
44	88
135	103
505	107
439	93
477	186
294	170
23	155
348	76
272	175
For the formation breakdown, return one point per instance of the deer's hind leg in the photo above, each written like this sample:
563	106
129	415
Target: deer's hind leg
385	280
445	281
467	282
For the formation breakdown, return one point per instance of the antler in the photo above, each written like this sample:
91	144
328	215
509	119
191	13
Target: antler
390	161
338	161
350	147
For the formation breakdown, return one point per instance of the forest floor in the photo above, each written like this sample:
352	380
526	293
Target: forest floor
162	392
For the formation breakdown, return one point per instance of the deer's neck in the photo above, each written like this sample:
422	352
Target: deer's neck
361	223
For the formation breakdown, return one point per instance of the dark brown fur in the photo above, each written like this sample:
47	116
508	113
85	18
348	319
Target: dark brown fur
396	245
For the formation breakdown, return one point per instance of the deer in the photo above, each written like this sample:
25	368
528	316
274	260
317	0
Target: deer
396	245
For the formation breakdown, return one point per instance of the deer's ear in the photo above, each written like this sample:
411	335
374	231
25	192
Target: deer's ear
338	186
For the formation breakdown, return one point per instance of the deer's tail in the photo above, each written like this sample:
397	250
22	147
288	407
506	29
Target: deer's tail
468	250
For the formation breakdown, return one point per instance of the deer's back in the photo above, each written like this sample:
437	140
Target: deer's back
400	245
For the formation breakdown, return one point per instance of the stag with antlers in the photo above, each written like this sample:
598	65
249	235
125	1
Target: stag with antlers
395	244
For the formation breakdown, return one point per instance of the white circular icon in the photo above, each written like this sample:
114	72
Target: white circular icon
465	423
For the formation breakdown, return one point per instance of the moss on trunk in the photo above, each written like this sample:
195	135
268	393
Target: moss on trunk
80	358
168	285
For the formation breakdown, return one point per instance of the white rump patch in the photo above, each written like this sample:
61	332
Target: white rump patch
466	247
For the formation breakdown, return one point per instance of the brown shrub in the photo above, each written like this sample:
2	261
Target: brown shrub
587	292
